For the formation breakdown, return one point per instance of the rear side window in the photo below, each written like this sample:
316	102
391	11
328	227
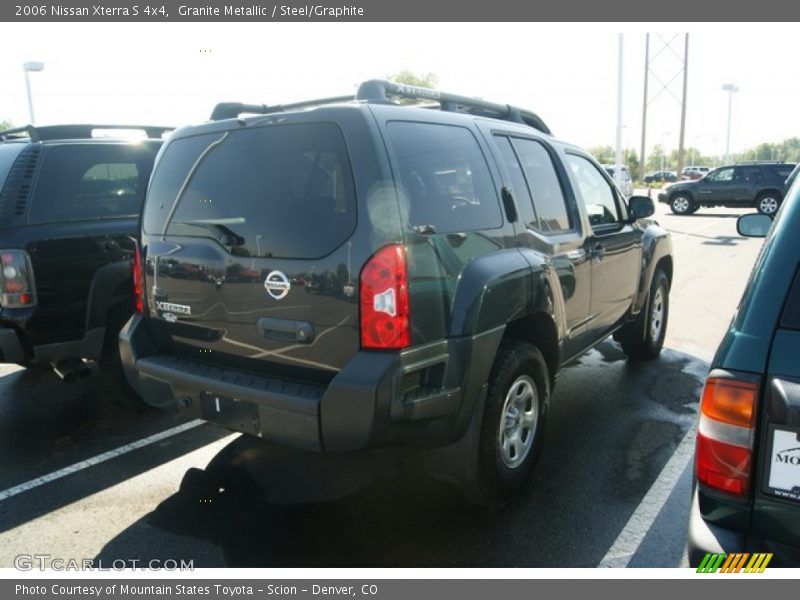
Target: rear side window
784	171
444	176
8	154
97	181
284	191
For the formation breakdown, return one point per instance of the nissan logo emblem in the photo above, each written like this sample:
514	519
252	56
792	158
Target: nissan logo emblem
277	285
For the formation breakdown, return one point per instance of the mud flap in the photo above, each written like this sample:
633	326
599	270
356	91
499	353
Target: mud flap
458	462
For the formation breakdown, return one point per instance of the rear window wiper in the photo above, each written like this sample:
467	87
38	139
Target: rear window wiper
424	229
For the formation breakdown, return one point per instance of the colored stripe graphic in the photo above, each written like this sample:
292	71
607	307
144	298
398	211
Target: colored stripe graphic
735	562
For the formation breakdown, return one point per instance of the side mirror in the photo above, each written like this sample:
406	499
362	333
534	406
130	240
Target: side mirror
640	207
753	225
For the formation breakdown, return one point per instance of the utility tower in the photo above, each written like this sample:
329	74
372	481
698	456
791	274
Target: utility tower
666	61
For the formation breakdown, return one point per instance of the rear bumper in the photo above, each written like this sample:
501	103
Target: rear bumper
375	400
708	538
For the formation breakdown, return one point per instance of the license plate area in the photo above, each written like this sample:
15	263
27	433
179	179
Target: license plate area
231	413
783	464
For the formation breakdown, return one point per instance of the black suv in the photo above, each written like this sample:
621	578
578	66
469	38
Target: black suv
458	257
760	185
69	210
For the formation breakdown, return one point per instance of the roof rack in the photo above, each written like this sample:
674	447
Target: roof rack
83	131
761	162
231	110
379	91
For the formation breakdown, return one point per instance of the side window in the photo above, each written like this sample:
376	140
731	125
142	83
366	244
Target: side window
749	175
597	194
444	176
723	175
518	185
545	188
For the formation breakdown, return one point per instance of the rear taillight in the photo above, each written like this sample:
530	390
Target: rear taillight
138	289
723	459
384	300
17	288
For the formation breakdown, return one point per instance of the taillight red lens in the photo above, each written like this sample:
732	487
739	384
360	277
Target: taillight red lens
384	300
138	290
723	466
723	459
17	289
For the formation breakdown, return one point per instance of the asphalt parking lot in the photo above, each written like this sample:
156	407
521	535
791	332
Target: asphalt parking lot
83	478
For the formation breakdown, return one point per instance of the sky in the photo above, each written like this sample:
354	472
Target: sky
174	73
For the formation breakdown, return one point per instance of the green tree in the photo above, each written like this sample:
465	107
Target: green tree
603	154
428	80
5	125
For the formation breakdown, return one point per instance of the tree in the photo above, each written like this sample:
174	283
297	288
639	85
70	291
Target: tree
5	125
428	80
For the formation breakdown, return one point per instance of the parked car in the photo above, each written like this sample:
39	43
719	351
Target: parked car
626	181
744	185
694	173
661	177
69	208
747	462
482	254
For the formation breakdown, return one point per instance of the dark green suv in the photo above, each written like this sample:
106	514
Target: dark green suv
353	274
747	462
759	185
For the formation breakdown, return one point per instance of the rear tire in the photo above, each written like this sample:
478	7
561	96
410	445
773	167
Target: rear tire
512	430
643	338
768	203
113	385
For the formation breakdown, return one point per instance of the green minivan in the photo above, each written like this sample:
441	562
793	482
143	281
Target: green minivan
747	459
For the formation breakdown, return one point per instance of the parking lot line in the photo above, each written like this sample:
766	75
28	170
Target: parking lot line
635	530
96	460
704	226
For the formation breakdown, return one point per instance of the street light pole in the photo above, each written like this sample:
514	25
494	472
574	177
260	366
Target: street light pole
28	67
731	89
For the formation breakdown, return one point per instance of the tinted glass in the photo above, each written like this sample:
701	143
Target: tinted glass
597	195
171	170
444	177
791	311
8	154
721	175
548	197
84	181
519	188
784	171
284	191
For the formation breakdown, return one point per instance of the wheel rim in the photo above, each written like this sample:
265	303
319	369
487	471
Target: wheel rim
518	422
680	204
657	314
768	205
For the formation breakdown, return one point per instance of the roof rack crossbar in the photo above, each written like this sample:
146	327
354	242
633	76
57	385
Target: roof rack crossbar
379	90
78	131
231	110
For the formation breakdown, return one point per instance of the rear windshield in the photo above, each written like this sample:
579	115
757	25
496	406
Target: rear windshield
282	191
82	181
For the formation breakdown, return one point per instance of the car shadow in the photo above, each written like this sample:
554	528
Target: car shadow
612	427
47	426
